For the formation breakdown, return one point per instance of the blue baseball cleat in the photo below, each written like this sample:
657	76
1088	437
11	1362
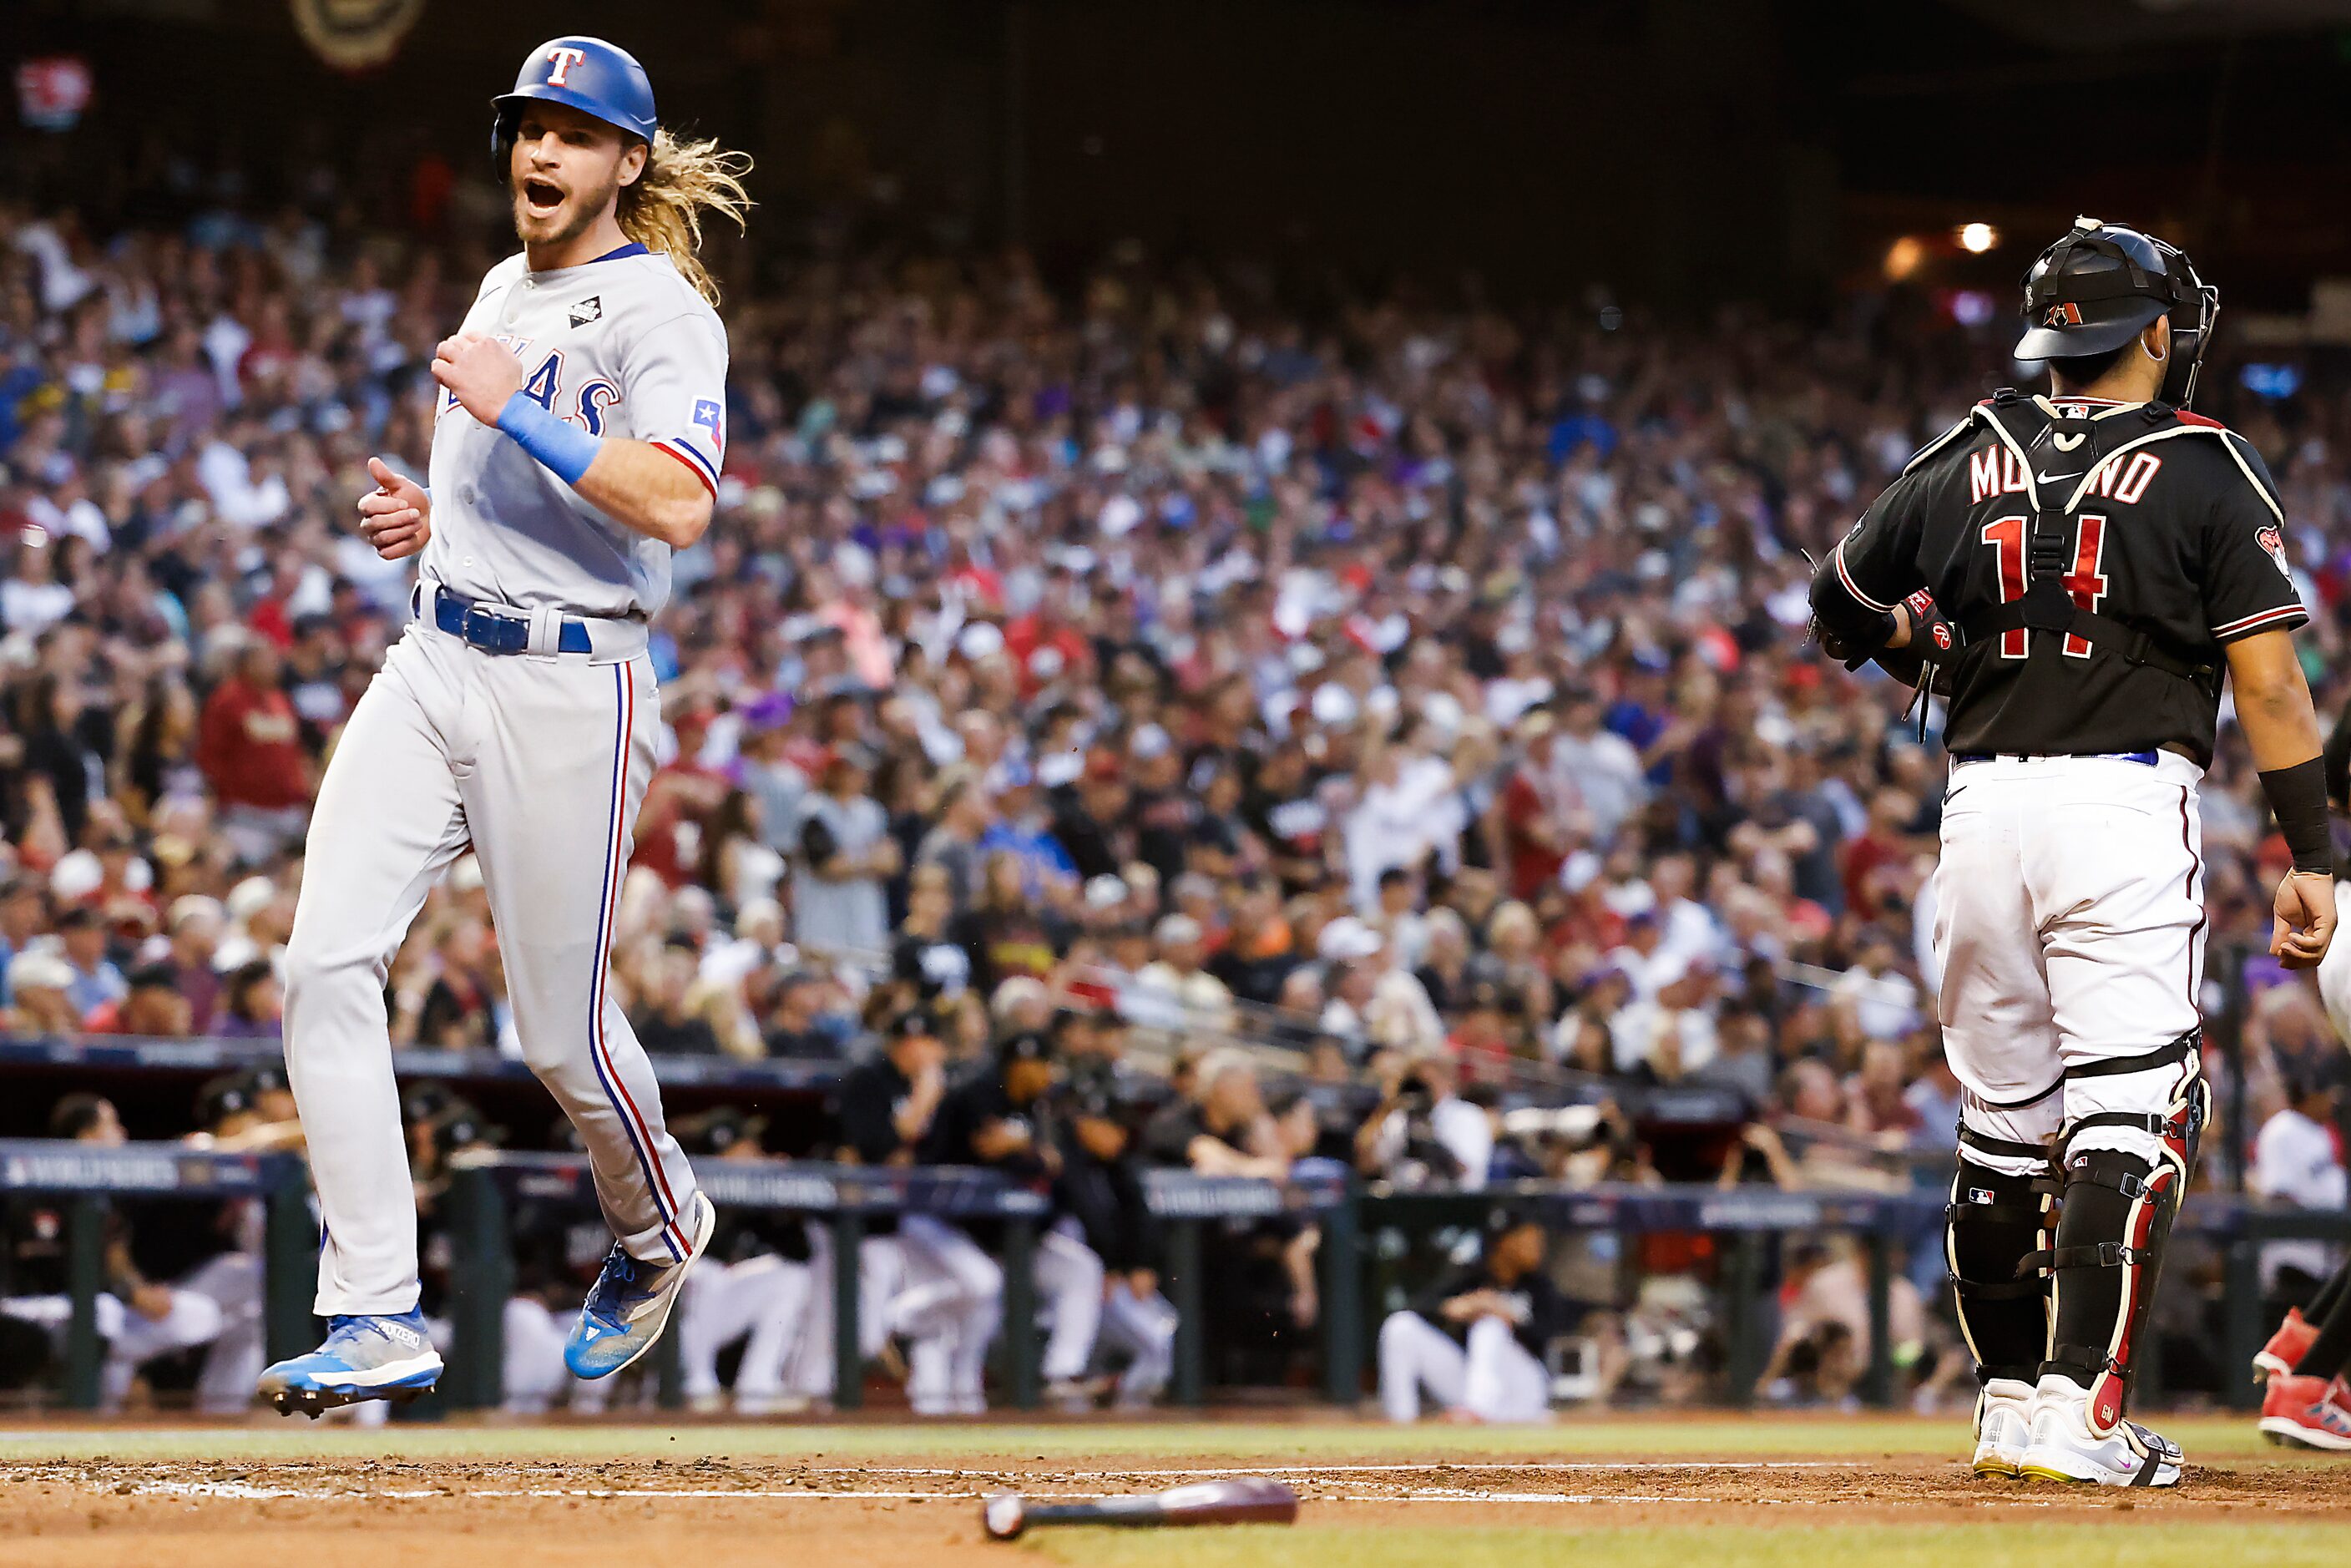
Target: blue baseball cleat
630	1303
364	1358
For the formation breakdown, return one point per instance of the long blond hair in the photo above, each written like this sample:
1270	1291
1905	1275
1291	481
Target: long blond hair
663	209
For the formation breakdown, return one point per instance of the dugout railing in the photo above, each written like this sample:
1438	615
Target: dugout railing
87	1178
485	1188
1195	1213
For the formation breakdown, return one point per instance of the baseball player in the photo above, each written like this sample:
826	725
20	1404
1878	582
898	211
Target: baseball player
1476	1338
578	442
2102	556
2306	1402
755	1288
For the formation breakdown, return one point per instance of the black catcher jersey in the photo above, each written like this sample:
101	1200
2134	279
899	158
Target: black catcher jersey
2163	530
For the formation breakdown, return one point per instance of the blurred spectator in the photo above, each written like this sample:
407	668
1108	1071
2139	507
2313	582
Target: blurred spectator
250	746
666	1017
1173	991
2298	1160
1423	1133
153	1006
97	980
40	984
846	854
194	927
253	1003
1220	1127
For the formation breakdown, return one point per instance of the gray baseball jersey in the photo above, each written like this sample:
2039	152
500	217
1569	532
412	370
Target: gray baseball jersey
619	346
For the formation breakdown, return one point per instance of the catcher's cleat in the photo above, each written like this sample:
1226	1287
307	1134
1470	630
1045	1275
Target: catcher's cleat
2063	1448
364	1357
2286	1347
2308	1413
2004	1427
630	1303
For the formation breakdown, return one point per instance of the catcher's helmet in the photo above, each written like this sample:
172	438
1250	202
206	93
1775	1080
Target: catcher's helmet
2101	285
588	74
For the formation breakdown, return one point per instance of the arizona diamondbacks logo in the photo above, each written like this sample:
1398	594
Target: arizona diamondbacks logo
2274	542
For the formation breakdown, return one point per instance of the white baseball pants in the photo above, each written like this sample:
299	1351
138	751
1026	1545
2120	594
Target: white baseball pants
761	1301
232	1282
950	1308
880	1270
539	762
1142	1328
1493	1377
2069	921
1069	1301
533	1378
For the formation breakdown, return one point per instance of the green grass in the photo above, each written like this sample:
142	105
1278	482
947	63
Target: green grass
2099	1545
1301	1442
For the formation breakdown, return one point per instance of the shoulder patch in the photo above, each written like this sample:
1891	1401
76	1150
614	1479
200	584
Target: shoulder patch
2274	541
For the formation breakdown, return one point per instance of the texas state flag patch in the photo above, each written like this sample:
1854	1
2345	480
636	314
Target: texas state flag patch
708	414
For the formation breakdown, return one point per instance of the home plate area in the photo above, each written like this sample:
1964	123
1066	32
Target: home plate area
874	1498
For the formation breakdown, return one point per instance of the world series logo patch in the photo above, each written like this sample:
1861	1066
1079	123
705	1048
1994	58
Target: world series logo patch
588	309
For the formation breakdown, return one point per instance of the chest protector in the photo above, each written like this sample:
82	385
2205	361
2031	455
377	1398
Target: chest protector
2060	450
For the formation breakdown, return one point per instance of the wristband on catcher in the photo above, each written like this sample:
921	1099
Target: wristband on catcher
564	450
2298	797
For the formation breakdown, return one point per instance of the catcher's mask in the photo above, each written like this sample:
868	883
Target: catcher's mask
2101	285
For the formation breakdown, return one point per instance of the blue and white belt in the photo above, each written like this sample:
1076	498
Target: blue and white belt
2144	758
507	629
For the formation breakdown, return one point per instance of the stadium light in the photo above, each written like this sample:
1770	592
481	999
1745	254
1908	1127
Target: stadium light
1978	238
1903	257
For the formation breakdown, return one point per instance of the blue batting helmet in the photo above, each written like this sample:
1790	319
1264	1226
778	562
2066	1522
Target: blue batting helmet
588	74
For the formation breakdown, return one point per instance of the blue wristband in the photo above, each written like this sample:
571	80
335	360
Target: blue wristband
565	449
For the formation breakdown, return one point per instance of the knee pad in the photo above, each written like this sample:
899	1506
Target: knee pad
1993	1228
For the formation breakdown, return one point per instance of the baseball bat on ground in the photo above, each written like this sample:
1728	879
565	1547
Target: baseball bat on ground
1252	1500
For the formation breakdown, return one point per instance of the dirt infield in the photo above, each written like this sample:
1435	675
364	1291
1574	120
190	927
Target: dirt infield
885	1502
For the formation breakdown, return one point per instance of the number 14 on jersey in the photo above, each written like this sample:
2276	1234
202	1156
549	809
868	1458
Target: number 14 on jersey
2086	581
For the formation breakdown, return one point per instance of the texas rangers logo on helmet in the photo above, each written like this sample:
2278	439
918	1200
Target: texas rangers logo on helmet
564	57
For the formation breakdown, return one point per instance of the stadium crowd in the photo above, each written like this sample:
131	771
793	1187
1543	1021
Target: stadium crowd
1420	688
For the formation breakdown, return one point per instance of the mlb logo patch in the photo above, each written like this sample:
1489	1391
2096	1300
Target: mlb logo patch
588	309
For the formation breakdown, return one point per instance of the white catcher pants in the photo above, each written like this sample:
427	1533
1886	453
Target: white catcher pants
540	763
2069	921
1493	1377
